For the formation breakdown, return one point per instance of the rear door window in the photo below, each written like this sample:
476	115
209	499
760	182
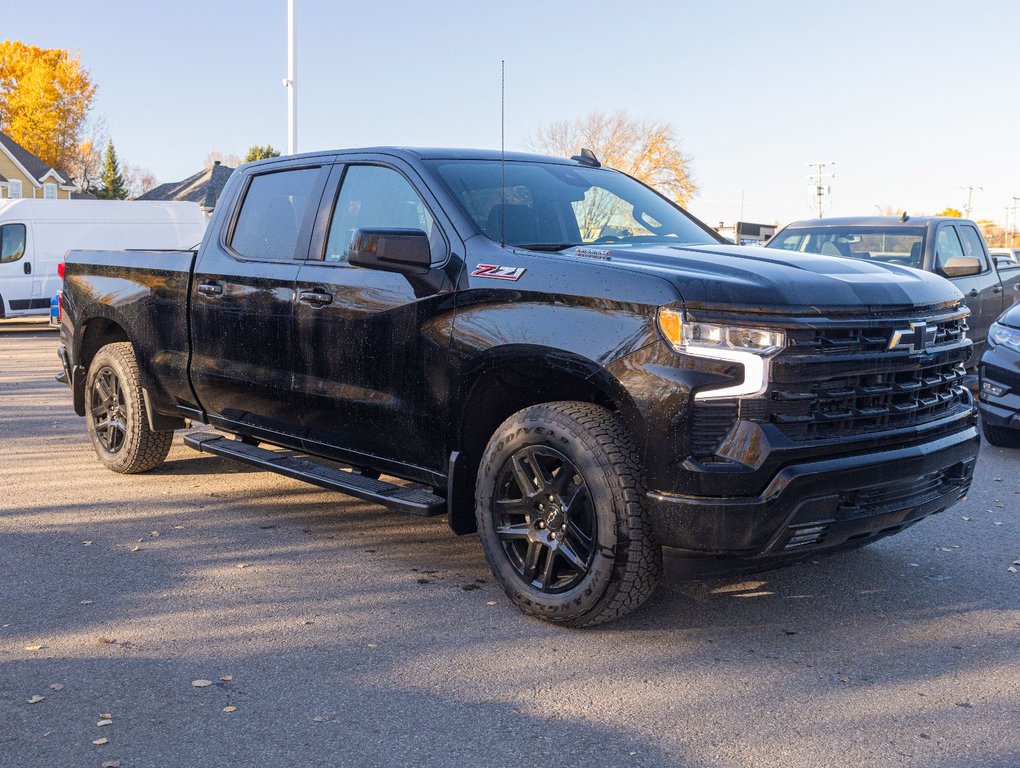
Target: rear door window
272	214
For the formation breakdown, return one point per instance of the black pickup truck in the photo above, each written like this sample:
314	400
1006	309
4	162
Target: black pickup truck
546	351
950	247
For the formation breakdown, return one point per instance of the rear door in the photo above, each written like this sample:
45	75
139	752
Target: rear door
242	299
17	270
369	357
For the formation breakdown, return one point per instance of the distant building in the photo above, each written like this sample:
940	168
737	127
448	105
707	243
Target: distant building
203	188
746	233
22	174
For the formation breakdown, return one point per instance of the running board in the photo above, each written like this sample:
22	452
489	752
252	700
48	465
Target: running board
413	500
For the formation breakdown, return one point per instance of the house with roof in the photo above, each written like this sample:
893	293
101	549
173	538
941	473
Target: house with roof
203	187
22	174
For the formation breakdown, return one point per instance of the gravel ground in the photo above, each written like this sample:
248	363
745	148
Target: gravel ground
347	635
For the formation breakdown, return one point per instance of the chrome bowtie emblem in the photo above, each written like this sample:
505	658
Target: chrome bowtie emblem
916	340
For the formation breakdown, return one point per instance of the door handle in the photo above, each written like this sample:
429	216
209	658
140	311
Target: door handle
28	268
316	298
997	289
210	289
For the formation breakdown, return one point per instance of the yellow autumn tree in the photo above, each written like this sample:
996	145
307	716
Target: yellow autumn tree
45	97
648	150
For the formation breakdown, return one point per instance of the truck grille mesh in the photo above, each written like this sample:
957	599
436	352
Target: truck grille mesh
834	382
839	379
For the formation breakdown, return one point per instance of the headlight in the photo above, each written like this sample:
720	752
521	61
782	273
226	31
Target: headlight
752	347
1004	335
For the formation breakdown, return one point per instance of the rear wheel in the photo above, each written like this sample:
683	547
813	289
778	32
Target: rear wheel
1002	437
560	509
115	413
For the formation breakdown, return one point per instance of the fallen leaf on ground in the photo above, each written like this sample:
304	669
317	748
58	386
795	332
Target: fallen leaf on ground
1012	569
103	722
201	683
242	565
320	719
965	518
56	687
105	716
101	742
996	523
86	602
226	678
35	699
230	709
373	645
87	543
111	764
154	534
135	548
34	648
491	602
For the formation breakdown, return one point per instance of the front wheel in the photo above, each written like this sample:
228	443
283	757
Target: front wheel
560	509
1002	437
115	413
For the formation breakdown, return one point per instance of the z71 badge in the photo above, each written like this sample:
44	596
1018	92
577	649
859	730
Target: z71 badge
498	272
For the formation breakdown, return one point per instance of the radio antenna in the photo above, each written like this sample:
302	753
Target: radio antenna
502	151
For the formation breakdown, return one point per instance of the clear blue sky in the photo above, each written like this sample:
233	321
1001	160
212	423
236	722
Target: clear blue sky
911	100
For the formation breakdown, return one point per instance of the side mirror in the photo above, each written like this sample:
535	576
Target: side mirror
391	250
961	266
1004	262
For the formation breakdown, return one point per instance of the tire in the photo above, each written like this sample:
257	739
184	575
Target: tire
115	414
1002	437
559	503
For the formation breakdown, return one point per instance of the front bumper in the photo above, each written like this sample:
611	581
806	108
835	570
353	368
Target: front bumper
1000	367
818	506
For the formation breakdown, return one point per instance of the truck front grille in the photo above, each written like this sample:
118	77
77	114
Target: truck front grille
832	382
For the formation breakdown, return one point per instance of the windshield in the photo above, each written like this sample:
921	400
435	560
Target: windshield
551	206
892	245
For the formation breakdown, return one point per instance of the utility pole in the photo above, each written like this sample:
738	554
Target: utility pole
970	199
291	82
1012	229
818	179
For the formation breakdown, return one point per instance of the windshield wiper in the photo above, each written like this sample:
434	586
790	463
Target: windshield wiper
544	246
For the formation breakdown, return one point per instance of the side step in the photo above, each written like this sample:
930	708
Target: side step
413	500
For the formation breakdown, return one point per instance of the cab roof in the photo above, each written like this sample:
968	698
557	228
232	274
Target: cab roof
871	221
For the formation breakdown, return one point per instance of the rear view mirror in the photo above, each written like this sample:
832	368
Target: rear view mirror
961	266
391	250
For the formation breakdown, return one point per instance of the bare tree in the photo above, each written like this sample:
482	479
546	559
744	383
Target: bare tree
137	179
85	160
230	160
646	149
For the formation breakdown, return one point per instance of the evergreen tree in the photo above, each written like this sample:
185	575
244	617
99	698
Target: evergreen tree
257	152
113	186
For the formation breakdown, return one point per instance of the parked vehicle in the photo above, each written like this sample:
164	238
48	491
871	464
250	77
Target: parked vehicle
35	235
55	312
546	351
999	391
1003	256
952	248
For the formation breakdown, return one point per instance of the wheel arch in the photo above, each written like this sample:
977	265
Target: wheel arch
96	333
506	380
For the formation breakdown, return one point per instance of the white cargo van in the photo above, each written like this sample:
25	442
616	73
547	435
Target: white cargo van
35	235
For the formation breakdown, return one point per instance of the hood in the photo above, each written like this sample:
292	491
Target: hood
750	279
1010	317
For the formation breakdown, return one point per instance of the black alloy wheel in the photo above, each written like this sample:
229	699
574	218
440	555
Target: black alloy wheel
545	519
109	416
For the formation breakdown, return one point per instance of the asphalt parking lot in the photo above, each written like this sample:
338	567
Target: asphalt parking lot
346	635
